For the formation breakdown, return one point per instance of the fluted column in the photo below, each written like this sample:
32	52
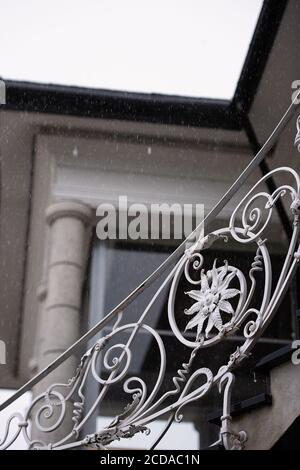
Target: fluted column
60	318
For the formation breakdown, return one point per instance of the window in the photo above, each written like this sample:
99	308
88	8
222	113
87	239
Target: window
117	268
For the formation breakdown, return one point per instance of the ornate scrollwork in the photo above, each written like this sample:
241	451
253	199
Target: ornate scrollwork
229	439
222	305
297	138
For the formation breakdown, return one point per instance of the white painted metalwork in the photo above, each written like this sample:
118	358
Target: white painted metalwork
222	305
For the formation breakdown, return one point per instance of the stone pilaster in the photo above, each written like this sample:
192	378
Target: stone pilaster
59	326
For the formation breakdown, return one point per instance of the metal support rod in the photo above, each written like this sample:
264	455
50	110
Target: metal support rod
264	167
253	141
173	257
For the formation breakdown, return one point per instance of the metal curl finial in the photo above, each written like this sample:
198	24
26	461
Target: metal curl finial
297	138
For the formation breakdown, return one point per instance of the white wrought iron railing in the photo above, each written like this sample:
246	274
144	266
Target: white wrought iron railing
222	305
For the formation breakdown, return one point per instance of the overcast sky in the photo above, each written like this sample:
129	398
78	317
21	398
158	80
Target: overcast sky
179	47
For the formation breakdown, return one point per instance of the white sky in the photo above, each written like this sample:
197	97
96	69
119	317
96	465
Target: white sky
177	47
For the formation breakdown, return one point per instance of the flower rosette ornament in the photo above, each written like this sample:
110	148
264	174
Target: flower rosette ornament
211	300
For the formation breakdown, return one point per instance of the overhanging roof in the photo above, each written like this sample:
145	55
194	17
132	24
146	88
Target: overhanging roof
157	108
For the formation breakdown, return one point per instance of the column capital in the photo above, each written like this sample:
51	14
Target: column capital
73	209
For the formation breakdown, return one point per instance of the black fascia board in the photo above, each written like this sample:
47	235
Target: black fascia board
93	103
275	359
